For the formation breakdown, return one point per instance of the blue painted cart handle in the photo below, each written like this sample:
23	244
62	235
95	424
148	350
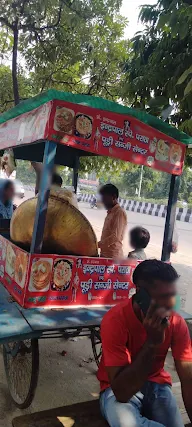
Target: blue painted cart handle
43	196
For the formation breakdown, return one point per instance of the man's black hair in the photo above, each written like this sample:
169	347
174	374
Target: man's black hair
151	270
110	190
139	237
57	180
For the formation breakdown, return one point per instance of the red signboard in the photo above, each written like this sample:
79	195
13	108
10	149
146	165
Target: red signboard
63	281
14	263
78	281
115	135
95	131
26	128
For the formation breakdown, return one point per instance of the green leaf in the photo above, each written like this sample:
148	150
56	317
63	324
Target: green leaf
163	19
184	76
187	127
158	101
188	88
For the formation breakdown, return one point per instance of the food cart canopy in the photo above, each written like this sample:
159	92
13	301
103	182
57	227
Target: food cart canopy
87	125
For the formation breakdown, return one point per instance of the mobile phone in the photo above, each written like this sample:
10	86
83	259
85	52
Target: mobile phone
143	299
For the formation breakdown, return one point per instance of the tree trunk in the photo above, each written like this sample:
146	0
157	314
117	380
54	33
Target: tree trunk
14	64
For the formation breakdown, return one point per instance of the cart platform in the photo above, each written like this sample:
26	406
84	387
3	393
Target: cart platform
17	323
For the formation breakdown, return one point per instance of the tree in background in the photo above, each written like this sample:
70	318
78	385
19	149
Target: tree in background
159	74
66	45
25	172
108	52
6	87
78	46
131	180
185	189
58	43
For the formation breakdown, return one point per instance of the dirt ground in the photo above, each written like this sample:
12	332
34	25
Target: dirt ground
64	380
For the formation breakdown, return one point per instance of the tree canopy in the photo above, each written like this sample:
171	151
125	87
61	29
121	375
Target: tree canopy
68	45
65	44
80	47
159	72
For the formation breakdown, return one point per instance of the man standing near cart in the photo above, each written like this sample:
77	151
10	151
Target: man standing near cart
56	178
111	243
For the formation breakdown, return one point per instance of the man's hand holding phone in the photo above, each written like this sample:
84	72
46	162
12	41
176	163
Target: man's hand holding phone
155	323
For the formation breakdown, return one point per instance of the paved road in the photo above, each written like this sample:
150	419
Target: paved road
182	260
155	225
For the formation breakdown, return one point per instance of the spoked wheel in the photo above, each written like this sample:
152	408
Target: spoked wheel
96	345
21	361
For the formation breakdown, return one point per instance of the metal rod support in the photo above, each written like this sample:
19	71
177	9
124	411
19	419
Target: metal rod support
140	182
75	174
43	195
170	218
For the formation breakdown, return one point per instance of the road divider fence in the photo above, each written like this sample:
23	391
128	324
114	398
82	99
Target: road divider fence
182	214
154	209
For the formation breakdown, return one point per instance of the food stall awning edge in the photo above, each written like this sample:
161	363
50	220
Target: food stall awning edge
99	103
65	156
84	124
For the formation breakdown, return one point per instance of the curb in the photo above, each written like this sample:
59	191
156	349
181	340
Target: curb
182	214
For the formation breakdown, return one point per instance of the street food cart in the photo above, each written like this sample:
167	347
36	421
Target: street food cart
60	128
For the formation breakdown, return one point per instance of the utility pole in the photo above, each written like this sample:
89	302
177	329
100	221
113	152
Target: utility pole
140	182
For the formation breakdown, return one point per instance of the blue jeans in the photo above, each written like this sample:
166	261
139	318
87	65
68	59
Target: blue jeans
153	406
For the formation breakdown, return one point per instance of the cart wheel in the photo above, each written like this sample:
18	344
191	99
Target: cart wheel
96	345
21	361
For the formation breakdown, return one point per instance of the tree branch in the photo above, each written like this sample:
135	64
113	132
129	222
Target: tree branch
107	90
43	47
32	27
76	11
4	44
63	82
90	89
44	83
4	21
22	8
52	26
49	78
8	101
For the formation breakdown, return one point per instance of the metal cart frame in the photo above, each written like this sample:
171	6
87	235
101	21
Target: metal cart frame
21	328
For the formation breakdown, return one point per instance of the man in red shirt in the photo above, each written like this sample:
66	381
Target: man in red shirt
135	388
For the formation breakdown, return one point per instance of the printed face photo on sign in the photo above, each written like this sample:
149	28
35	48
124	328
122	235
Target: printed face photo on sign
10	260
40	275
62	274
20	268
